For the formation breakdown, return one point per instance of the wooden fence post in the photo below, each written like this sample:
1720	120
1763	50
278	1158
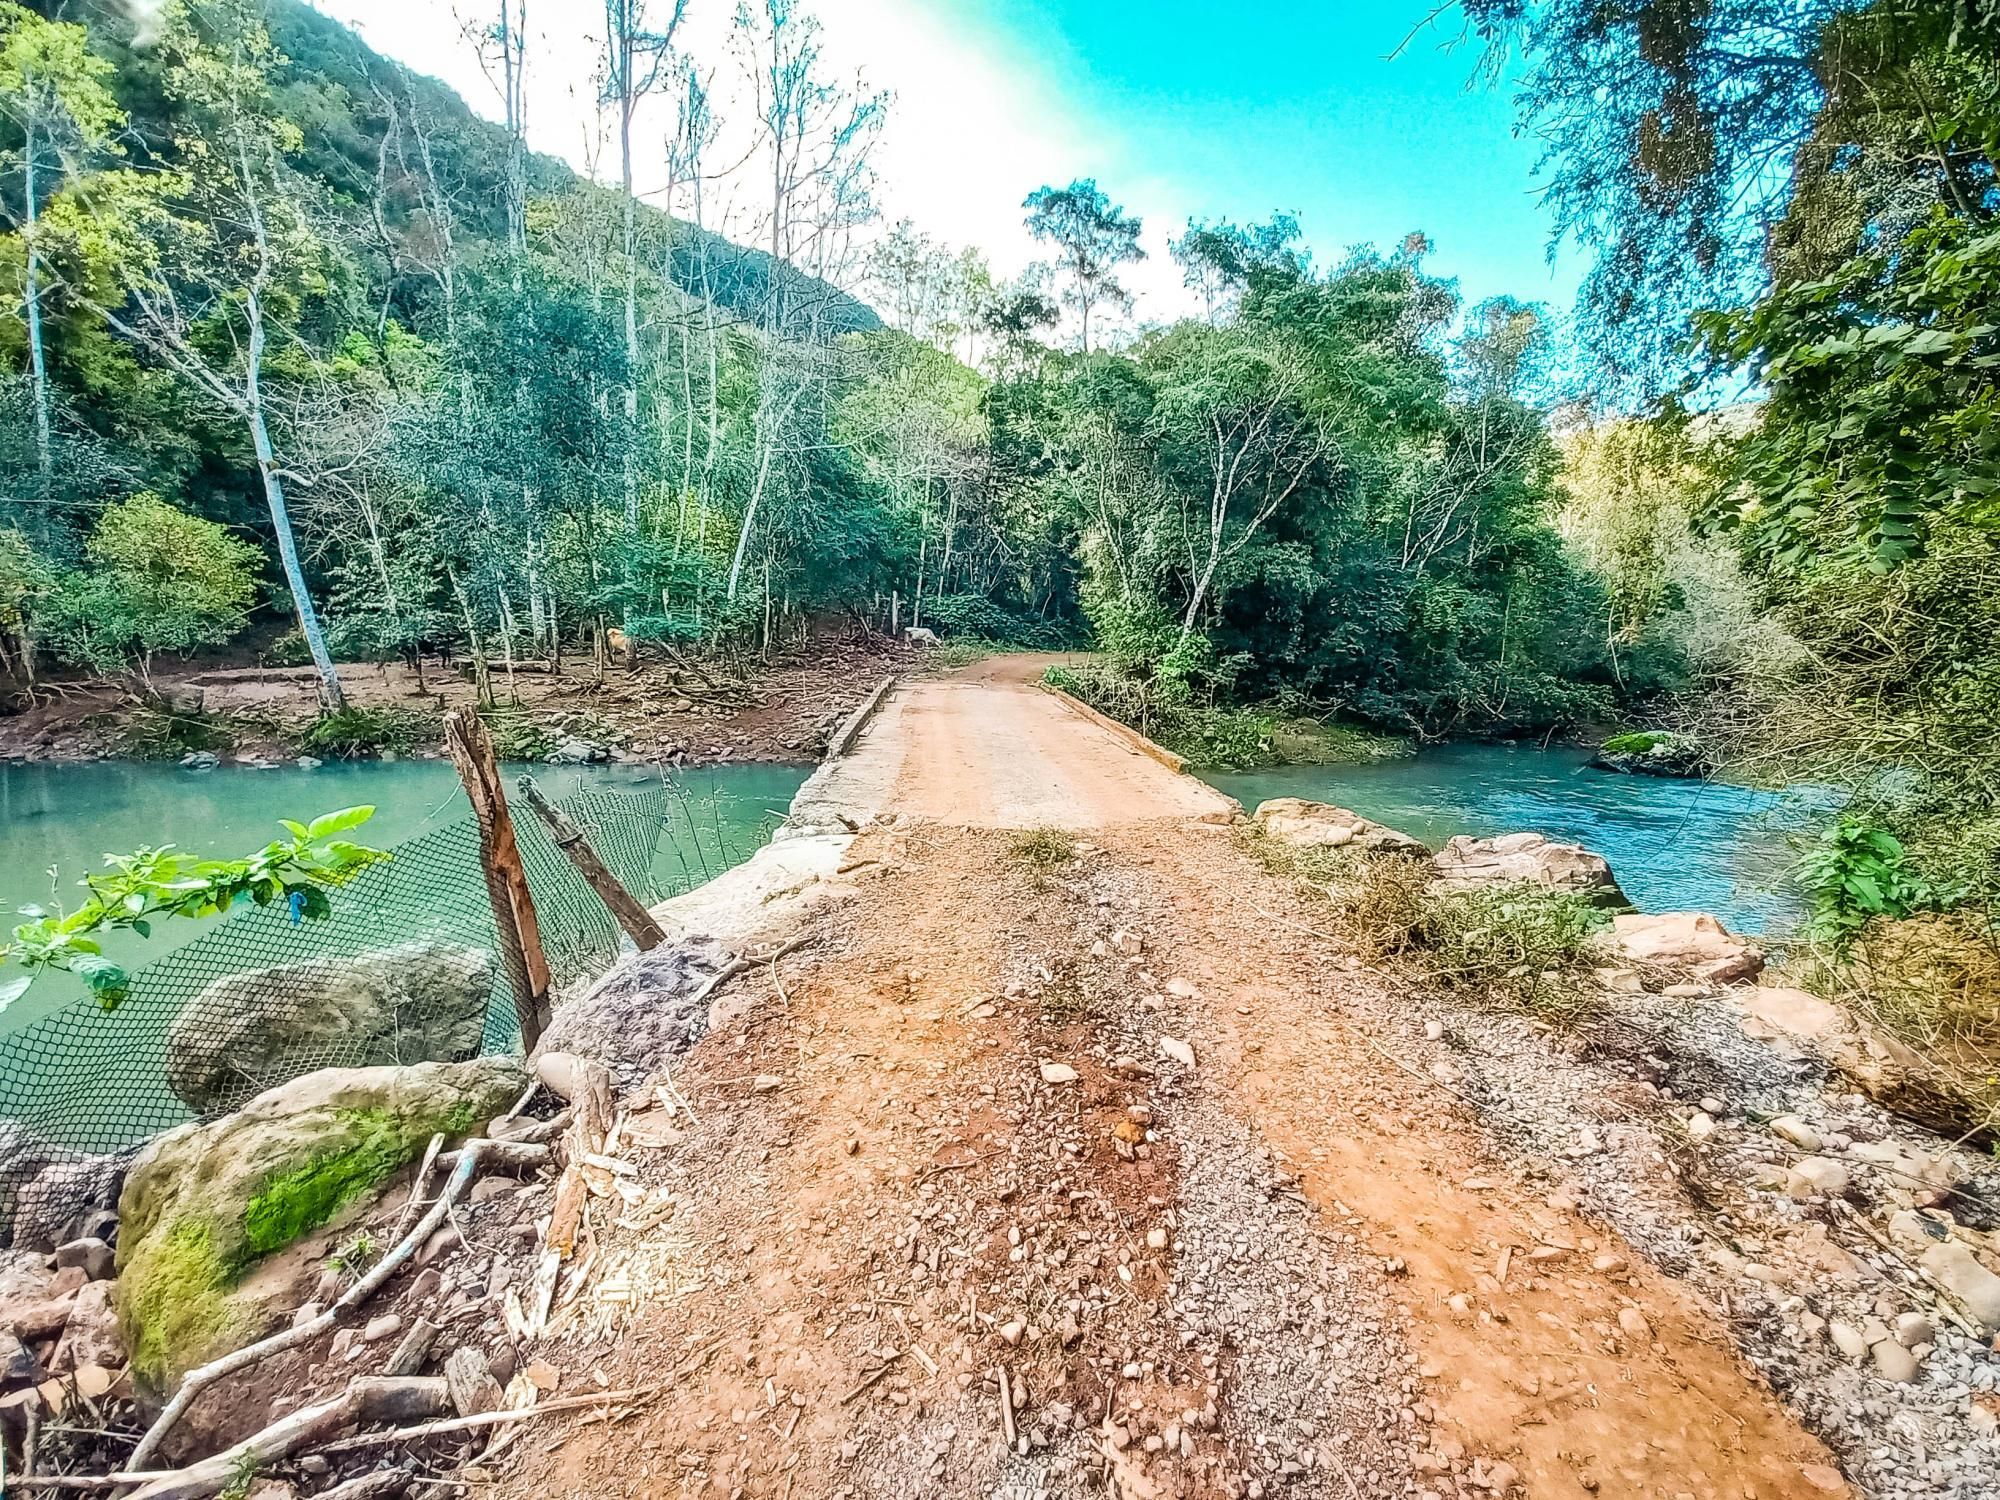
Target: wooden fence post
622	904
471	747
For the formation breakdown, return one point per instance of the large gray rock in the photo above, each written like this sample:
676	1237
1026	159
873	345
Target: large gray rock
204	1202
1528	859
639	1015
1319	825
424	1002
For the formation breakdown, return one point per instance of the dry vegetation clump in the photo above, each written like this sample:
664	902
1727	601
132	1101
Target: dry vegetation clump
1044	850
1931	982
1520	945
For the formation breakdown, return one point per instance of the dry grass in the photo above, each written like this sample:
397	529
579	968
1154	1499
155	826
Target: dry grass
1931	982
1044	850
1520	946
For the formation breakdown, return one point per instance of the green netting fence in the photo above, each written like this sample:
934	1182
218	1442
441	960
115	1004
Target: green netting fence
405	970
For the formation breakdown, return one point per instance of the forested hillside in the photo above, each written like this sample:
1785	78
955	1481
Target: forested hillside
281	285
298	337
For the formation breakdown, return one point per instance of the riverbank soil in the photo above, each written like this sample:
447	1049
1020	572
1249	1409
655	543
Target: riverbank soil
1074	1166
658	711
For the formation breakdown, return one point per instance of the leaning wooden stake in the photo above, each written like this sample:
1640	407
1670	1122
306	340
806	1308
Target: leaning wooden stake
623	905
471	749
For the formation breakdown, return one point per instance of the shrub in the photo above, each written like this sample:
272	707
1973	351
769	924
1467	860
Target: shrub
1044	848
356	733
151	733
1930	981
1520	942
1859	873
158	579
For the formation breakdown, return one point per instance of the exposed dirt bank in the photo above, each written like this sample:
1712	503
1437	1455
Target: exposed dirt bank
656	712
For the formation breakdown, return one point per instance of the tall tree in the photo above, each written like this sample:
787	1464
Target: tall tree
1093	237
55	91
228	252
817	135
635	55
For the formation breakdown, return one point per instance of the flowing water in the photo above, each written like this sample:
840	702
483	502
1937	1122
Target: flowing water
57	822
1674	845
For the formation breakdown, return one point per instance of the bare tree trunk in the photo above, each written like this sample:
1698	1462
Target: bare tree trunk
37	363
330	692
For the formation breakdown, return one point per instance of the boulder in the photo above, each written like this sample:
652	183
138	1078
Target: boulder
59	1202
91	1256
1528	859
1692	941
638	1016
205	1202
1978	1290
424	1002
1653	752
1318	825
92	1336
573	750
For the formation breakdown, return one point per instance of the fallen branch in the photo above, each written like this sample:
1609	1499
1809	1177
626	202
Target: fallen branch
1948	1302
417	1185
500	1154
367	1399
741	964
485	1419
207	1375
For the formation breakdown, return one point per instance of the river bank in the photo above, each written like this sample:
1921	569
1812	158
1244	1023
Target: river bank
657	712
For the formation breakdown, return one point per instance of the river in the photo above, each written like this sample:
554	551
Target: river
57	822
1674	845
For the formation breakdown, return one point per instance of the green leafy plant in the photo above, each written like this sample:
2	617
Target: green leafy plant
1859	872
356	733
149	883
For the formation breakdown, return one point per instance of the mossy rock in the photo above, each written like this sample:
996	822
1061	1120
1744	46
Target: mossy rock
1653	752
204	1203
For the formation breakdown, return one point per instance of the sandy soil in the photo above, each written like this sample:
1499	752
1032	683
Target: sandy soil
989	748
1105	1178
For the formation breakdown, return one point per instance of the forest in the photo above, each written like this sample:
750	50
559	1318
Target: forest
308	360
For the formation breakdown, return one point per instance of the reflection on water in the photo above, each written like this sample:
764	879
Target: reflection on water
1674	845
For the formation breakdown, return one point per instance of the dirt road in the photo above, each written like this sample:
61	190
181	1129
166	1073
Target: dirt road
989	748
1098	1175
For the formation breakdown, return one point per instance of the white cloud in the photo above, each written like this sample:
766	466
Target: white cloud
972	130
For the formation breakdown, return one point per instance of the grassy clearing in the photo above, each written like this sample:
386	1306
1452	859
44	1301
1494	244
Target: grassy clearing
1522	947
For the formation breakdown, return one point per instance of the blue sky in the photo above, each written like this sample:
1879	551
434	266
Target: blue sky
1296	107
1177	107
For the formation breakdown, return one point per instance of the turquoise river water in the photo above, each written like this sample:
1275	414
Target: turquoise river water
1674	845
57	822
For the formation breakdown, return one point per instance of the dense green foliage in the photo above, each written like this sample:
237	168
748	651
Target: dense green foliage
464	400
1799	202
